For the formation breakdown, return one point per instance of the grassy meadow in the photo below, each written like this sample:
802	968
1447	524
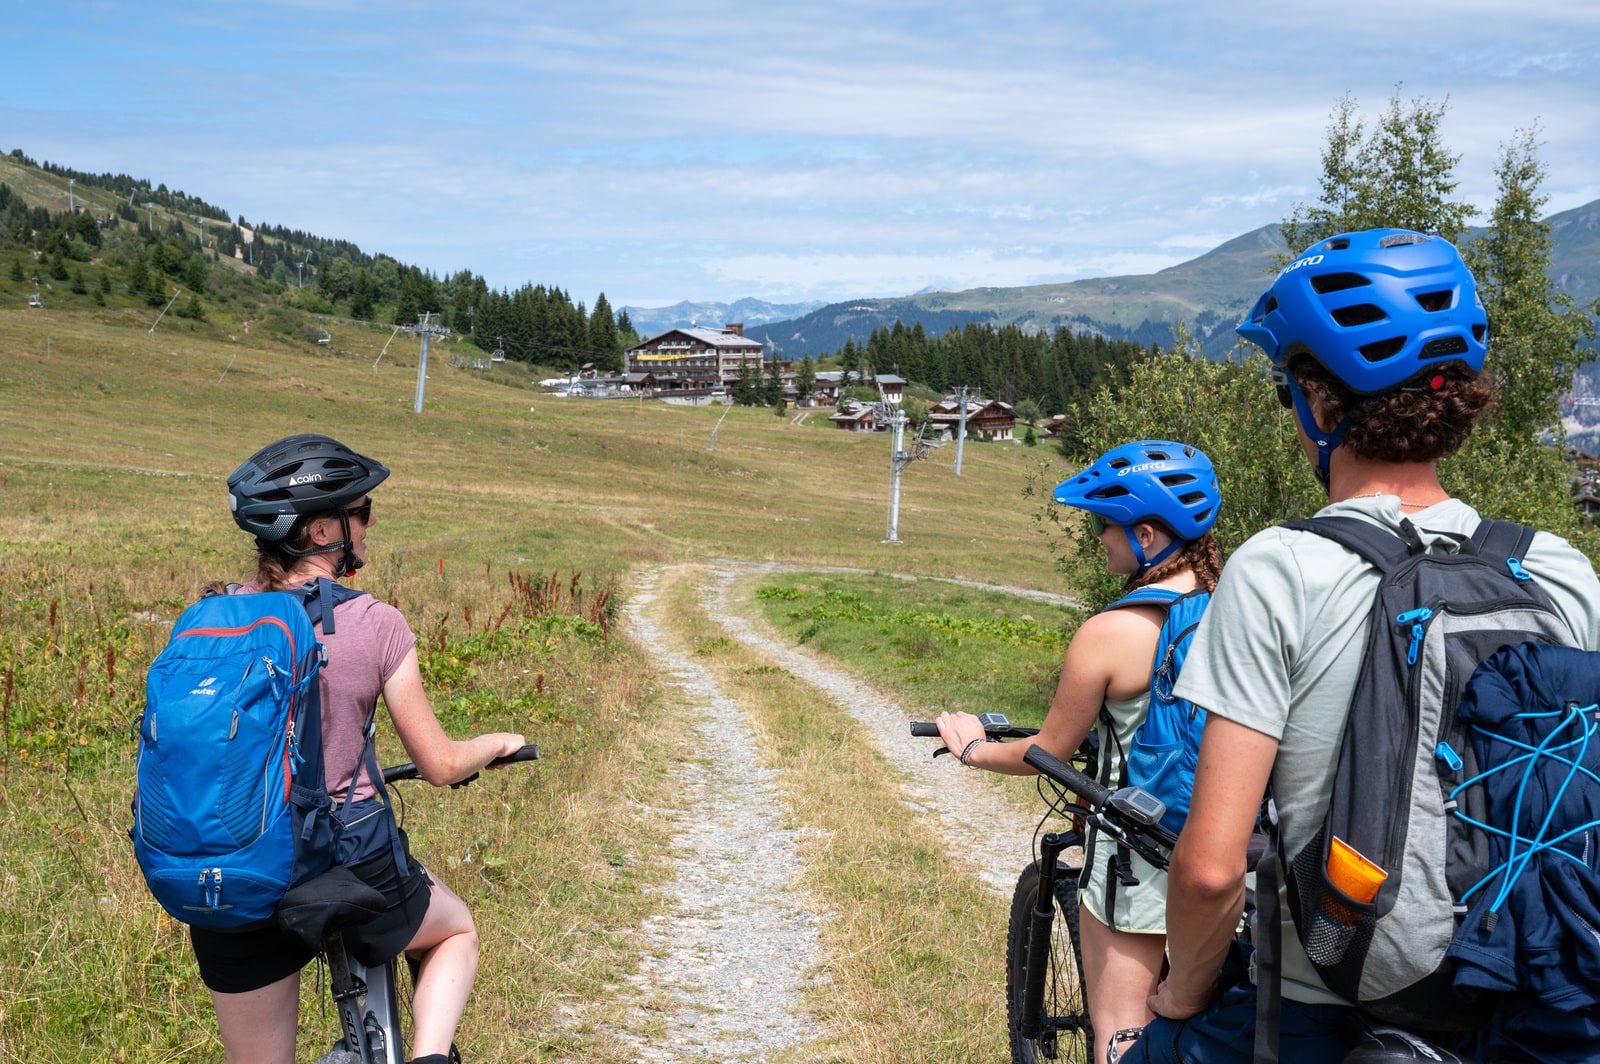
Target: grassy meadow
507	534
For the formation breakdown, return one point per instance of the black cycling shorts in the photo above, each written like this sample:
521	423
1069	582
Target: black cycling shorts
235	962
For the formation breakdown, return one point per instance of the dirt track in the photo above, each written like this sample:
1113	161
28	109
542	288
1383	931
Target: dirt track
731	960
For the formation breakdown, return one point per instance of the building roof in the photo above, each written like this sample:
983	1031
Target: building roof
718	338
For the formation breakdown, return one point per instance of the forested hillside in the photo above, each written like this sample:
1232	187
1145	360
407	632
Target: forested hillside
91	241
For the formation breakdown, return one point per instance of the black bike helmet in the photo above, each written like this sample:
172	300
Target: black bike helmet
299	476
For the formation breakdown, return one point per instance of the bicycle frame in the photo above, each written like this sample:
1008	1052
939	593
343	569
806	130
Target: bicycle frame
368	998
369	1008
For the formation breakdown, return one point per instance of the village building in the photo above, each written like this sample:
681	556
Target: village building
987	419
698	358
855	417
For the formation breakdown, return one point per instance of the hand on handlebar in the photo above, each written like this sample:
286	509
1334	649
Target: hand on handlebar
958	730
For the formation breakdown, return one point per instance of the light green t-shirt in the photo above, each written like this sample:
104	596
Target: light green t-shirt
1281	645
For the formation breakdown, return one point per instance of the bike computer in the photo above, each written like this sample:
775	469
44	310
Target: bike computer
993	722
1139	806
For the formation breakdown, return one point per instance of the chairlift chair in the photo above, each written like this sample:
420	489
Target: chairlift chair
34	300
498	354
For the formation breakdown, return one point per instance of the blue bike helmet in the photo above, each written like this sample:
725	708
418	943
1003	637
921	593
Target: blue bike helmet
1377	309
1154	481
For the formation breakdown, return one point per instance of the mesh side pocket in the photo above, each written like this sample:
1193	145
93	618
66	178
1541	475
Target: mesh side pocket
1335	930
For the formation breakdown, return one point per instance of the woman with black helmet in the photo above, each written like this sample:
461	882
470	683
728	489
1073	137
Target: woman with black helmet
1151	503
307	499
1376	340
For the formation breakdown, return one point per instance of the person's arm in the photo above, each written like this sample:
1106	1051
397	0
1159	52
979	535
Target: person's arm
1111	654
1206	877
438	757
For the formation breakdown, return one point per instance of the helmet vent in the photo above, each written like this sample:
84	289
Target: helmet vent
1110	491
1337	282
1177	480
1479	332
1382	349
1433	302
1360	314
1444	347
1336	244
1402	239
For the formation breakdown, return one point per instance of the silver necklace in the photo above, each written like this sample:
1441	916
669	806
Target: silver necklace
1385	494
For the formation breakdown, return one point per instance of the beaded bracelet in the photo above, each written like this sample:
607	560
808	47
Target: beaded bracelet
967	753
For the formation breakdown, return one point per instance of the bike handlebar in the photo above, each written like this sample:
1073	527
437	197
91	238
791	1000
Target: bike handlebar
1084	786
1129	814
409	771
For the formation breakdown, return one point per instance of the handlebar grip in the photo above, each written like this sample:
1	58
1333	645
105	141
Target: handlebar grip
1076	782
922	729
527	753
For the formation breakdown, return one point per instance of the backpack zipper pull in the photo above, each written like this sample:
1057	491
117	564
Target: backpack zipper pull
295	760
1417	618
1517	571
211	893
1444	752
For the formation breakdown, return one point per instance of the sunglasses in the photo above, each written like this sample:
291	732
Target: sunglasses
1097	524
362	513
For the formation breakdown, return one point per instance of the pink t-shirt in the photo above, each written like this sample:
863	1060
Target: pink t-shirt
369	641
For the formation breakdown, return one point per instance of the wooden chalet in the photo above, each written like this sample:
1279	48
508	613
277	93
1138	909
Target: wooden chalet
987	419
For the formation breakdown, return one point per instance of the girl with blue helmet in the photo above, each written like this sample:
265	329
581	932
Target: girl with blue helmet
1151	503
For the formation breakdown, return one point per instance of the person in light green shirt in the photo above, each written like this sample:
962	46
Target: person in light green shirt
1378	340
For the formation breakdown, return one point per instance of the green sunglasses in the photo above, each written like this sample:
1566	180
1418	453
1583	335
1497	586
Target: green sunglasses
1097	524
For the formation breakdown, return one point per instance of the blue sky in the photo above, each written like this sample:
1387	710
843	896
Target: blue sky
712	150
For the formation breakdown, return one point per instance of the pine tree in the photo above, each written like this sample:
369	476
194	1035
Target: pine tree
1397	175
1534	329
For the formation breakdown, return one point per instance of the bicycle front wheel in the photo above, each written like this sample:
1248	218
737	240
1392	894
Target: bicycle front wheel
1061	1030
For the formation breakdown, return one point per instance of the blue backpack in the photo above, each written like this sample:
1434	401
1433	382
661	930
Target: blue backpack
231	808
1162	755
1527	948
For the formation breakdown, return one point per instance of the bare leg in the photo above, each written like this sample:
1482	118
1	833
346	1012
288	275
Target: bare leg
1121	970
447	945
258	1026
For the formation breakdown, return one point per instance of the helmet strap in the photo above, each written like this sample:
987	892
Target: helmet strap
1138	552
348	562
1325	442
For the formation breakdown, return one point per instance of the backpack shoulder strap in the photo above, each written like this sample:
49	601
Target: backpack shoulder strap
1153	595
320	596
1501	540
1380	547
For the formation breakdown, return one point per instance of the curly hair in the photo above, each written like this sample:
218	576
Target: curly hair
1422	423
1201	555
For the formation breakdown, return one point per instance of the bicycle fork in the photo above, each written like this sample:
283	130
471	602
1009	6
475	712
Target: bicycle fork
1040	925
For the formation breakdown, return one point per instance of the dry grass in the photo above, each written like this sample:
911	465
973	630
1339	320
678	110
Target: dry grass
114	448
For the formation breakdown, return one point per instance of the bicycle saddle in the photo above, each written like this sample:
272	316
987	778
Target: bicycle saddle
328	904
1376	1043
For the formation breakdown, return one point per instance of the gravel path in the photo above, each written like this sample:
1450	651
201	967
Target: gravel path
729	963
726	969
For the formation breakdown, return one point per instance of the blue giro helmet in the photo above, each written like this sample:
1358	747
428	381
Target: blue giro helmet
1149	480
1375	308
